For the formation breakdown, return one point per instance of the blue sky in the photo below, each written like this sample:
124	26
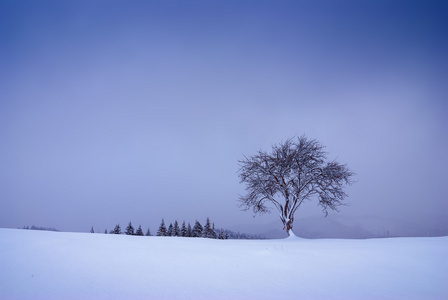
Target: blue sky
118	111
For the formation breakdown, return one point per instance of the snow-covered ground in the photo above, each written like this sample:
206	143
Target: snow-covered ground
56	265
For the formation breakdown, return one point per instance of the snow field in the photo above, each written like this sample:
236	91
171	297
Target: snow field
56	265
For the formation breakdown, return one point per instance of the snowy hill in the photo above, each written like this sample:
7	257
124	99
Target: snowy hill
57	265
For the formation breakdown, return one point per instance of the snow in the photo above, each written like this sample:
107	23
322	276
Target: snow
292	234
56	265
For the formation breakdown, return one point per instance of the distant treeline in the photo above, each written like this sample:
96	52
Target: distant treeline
184	230
40	228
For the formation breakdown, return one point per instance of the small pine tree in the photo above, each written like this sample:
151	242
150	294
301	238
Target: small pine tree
214	234
162	229
207	229
170	231
183	229
176	230
189	231
139	231
197	229
226	235
105	231
221	234
91	230
117	229
148	233
130	229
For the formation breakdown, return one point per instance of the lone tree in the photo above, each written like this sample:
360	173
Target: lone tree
295	171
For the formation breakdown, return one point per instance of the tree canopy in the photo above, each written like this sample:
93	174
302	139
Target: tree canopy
294	171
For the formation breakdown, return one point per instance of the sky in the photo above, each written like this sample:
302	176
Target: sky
118	111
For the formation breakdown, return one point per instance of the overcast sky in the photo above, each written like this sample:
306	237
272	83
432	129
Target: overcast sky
118	111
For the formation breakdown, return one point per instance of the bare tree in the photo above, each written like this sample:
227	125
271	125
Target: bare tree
295	171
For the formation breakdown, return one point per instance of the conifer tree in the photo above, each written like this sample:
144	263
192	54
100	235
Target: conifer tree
197	229
221	234
170	231
148	233
117	229
105	231
139	231
189	231
214	235
183	229
162	229
207	229
91	230
130	229
176	230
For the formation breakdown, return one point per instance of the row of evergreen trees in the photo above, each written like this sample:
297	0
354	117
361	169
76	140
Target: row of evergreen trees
40	228
206	231
129	230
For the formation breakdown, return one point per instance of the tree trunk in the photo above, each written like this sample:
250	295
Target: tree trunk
288	226
291	234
